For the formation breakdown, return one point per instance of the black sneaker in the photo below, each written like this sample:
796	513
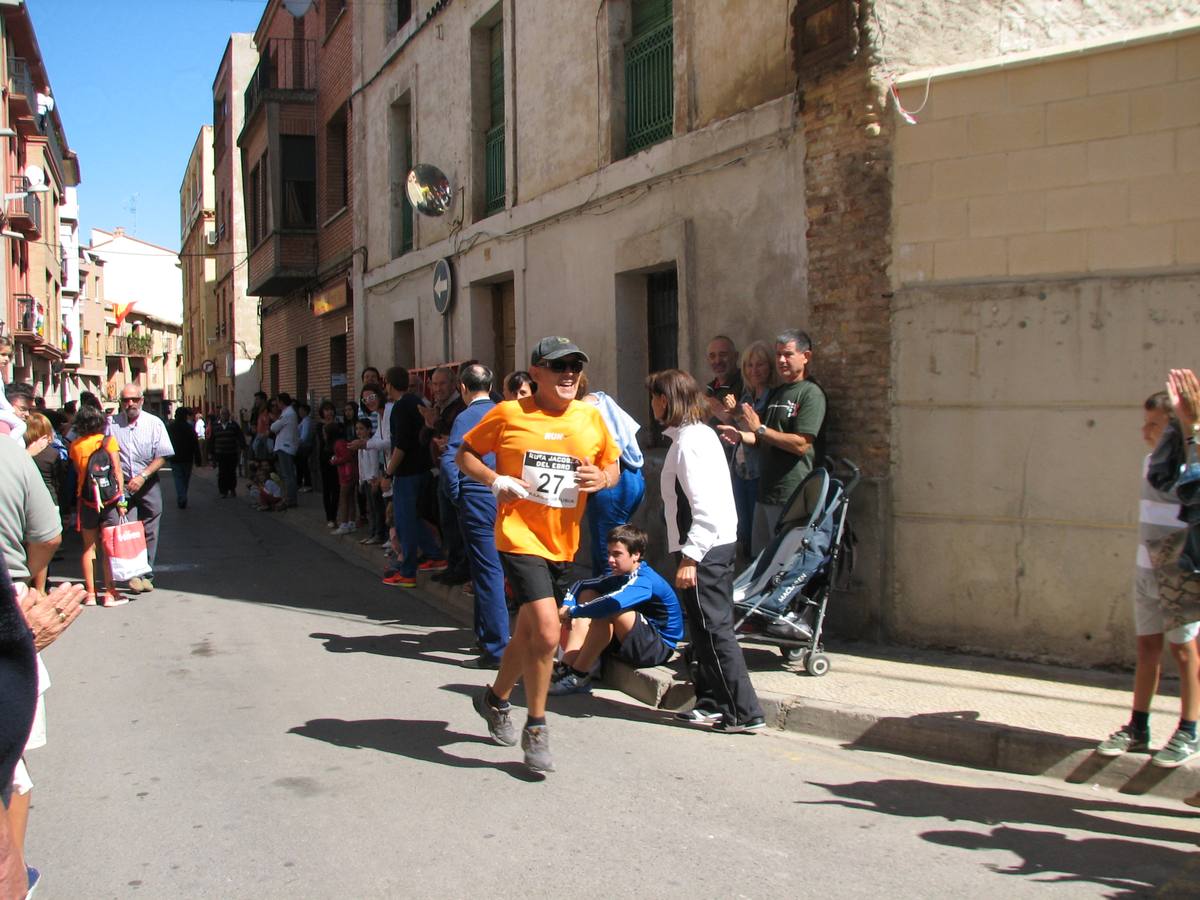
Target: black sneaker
535	741
482	661
500	726
699	716
758	723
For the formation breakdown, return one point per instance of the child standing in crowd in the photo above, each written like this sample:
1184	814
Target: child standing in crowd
91	499
368	482
344	461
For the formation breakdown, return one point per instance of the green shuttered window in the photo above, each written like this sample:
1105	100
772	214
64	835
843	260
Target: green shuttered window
649	81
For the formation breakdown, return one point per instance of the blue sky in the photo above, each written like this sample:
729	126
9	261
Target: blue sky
133	83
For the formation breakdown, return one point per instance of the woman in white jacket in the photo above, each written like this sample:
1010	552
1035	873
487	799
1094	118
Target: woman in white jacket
702	530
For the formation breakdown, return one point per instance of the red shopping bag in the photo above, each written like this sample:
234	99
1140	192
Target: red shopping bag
125	546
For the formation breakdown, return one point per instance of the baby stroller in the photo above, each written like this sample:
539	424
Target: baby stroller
780	599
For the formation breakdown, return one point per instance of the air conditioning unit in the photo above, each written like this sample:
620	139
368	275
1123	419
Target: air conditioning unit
210	238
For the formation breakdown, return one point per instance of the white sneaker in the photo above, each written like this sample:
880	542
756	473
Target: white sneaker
344	528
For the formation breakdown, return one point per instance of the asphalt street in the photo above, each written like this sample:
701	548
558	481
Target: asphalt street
274	722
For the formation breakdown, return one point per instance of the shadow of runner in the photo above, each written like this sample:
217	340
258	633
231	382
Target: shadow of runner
1127	856
1123	867
405	645
420	739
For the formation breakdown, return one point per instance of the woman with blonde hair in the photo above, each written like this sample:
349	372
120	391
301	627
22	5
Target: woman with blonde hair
758	377
39	442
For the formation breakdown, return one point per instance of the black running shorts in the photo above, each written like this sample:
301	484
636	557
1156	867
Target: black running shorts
532	578
643	647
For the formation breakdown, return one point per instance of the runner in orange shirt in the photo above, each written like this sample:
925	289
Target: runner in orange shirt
551	452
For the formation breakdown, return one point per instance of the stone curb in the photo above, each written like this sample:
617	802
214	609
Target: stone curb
943	738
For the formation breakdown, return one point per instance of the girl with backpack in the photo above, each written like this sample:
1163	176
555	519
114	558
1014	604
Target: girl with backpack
101	489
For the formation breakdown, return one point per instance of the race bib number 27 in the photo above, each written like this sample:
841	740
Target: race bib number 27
551	478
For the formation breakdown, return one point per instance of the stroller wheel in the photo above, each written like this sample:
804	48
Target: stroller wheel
817	664
793	654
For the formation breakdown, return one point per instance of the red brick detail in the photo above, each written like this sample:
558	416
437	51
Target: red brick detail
290	324
848	186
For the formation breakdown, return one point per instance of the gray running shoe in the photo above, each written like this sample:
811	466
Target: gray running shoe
535	741
1124	741
1178	750
500	725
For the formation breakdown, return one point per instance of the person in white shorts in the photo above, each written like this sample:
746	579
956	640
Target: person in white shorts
1159	515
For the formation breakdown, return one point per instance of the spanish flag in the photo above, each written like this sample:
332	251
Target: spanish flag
122	310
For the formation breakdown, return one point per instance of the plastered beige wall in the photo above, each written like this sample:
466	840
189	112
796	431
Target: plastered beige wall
1045	266
1086	164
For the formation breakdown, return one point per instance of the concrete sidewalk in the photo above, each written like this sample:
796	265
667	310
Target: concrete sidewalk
966	710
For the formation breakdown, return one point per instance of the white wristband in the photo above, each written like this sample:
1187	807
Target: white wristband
508	483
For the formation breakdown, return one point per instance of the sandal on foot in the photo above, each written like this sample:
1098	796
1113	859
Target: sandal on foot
89	600
111	600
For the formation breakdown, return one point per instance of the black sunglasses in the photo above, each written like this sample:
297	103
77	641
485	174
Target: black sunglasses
563	365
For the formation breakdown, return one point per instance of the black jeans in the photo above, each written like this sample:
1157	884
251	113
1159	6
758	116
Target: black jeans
718	667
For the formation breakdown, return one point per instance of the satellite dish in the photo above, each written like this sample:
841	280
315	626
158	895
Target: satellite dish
429	190
34	175
297	7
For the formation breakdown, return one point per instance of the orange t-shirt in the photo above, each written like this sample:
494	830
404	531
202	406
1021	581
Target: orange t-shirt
81	451
543	449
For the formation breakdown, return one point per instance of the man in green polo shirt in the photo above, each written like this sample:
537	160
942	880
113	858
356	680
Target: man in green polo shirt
785	435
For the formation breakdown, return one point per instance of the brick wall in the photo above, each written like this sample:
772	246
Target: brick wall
847	175
290	324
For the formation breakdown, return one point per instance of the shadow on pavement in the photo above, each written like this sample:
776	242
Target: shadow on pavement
1121	859
405	645
960	737
419	739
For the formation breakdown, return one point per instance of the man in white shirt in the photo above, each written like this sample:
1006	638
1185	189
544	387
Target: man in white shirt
286	429
144	444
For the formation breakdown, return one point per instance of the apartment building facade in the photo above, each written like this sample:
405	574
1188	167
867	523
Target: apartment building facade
645	174
297	183
38	168
143	296
91	372
234	339
197	260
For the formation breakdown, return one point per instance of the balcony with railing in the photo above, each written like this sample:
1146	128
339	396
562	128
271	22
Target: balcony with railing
25	210
29	321
286	71
493	162
129	345
20	87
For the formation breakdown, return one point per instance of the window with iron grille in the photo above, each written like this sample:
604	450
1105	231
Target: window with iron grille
400	163
494	138
256	201
662	320
337	159
649	75
299	171
274	370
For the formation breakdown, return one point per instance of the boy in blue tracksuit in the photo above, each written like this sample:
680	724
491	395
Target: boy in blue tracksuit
632	613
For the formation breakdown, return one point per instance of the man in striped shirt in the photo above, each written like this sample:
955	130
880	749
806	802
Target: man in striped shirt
1159	515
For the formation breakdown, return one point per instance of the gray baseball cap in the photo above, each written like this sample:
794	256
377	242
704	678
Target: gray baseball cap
555	348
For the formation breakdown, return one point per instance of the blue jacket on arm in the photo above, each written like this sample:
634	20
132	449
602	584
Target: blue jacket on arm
453	480
643	590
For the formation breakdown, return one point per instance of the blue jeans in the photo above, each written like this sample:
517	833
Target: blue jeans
286	464
414	537
745	494
182	472
609	508
477	515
